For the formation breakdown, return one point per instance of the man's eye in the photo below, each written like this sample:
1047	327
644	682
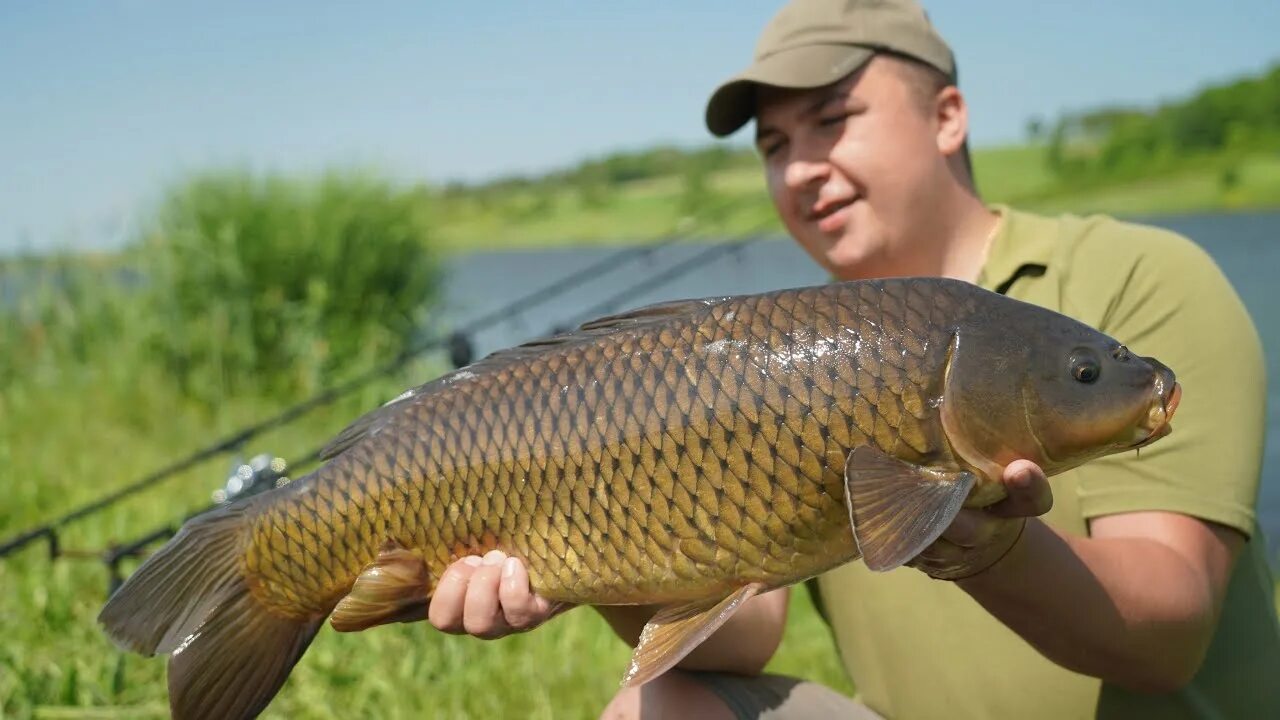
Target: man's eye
770	149
833	120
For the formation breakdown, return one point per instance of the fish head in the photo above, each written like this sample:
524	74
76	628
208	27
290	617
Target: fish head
1028	383
1102	399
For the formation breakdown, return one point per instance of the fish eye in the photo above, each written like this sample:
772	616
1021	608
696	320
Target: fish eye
1085	367
1085	372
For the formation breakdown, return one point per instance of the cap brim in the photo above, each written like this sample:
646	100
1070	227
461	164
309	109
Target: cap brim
809	66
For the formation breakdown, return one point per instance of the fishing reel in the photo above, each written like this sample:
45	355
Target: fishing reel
263	472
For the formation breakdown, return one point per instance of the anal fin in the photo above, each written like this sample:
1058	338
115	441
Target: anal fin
675	631
898	509
391	589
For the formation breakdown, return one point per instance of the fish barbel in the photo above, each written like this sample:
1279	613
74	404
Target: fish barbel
688	454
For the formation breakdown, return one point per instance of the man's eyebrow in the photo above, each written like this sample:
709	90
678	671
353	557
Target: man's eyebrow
764	131
835	94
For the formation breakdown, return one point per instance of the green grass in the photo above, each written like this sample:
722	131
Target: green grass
1195	190
637	211
1007	174
1015	174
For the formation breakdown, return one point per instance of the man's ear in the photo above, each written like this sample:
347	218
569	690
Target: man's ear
952	115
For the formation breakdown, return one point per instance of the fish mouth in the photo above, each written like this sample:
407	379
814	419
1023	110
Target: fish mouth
1157	423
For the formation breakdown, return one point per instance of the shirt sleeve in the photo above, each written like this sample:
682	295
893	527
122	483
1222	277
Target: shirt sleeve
1170	301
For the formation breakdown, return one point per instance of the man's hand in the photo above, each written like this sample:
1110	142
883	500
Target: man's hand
979	538
1135	602
488	597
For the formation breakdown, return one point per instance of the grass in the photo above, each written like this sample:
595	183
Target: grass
1015	174
1196	190
1010	173
638	211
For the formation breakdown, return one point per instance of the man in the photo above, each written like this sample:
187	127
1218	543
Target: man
1143	591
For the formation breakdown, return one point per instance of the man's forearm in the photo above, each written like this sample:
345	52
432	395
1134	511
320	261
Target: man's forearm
743	645
1130	610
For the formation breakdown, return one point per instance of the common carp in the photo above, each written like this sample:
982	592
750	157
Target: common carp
688	454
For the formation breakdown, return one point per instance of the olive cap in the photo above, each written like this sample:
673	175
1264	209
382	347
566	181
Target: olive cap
811	43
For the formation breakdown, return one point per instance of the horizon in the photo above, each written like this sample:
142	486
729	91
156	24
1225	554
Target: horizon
111	103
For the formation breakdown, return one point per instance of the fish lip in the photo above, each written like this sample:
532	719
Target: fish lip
1168	406
1170	403
1163	430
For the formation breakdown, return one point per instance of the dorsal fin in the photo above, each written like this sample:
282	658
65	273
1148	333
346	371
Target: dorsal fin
650	313
370	423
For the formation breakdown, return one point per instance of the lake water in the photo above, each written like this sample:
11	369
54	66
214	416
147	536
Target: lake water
1246	246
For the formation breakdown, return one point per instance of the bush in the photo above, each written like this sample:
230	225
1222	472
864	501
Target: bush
57	311
278	285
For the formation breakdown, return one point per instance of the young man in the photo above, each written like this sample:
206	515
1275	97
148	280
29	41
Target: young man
1142	591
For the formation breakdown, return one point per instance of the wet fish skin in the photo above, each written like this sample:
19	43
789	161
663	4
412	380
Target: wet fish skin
671	460
679	455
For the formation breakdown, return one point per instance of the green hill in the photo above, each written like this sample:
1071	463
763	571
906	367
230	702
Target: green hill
652	207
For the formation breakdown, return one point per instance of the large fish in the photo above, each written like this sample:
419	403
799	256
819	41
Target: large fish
689	454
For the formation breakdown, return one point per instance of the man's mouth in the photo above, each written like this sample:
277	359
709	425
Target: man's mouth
830	215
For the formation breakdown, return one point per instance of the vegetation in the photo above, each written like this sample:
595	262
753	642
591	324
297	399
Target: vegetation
1219	124
279	286
240	285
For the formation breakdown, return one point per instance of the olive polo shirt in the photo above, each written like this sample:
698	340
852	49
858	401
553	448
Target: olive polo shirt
921	648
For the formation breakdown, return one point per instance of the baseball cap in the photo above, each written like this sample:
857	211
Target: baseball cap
811	43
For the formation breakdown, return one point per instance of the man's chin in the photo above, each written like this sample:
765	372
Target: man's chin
849	263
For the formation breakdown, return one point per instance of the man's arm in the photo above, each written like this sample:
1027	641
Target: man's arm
1135	604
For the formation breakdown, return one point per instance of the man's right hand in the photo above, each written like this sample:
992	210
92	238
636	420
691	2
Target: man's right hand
488	598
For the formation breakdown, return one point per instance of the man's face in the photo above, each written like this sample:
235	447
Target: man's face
854	169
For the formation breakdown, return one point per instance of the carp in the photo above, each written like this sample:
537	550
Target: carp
688	454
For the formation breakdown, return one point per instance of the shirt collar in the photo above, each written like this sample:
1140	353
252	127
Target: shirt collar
1022	239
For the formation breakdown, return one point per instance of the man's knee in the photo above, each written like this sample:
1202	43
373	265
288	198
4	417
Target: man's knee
675	694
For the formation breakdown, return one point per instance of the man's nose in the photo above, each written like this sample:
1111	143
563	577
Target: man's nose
802	172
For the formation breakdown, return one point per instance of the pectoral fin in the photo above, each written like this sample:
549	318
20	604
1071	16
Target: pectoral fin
391	589
675	631
898	509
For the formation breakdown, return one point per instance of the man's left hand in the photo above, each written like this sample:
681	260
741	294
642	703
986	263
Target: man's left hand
979	538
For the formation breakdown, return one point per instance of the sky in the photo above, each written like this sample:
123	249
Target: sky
103	105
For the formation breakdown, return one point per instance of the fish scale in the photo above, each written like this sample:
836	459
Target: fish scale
515	437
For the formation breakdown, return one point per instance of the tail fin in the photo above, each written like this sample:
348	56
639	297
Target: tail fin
230	655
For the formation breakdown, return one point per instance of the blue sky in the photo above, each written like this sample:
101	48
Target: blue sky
103	103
